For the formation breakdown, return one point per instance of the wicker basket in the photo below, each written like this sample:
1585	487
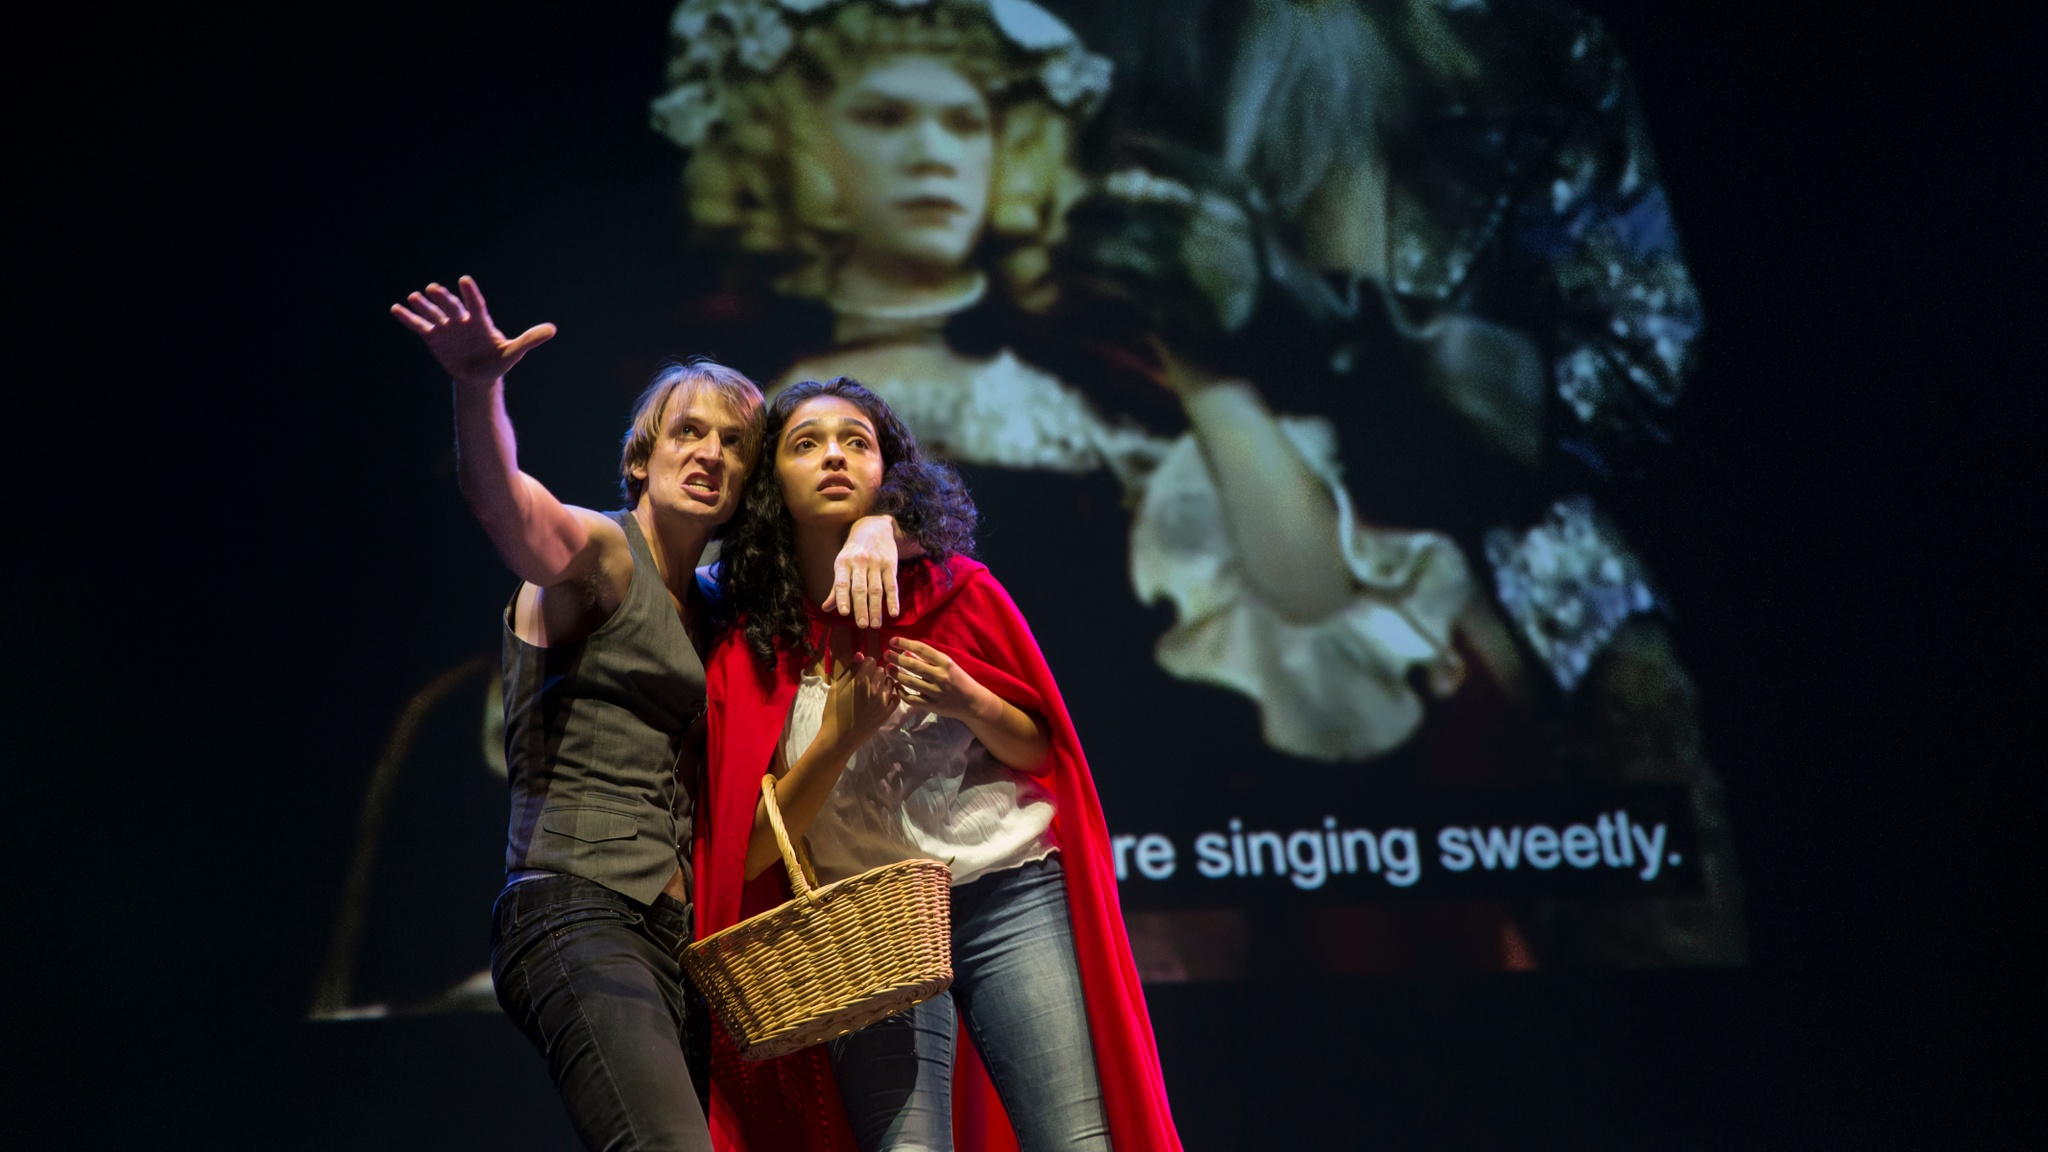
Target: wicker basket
831	959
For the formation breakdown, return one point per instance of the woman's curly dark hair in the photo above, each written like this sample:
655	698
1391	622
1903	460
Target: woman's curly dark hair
758	562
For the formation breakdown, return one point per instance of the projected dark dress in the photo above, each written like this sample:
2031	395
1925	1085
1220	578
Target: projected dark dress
1499	629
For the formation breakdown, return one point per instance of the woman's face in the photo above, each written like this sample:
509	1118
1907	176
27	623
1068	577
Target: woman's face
914	148
829	462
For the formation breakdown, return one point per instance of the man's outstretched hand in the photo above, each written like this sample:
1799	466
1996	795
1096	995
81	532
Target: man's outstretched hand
459	332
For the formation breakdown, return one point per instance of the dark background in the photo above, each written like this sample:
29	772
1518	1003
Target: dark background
235	562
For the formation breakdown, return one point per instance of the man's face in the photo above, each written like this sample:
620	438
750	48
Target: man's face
829	463
915	160
699	464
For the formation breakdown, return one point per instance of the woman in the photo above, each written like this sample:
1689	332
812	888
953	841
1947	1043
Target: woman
954	745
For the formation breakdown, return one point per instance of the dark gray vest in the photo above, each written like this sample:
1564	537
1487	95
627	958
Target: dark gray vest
602	740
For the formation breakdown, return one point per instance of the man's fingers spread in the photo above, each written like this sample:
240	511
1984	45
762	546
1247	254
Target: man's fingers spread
406	317
889	590
531	338
448	301
428	308
474	296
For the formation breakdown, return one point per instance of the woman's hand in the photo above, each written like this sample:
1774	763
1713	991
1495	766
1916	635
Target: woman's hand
459	332
859	700
929	679
864	574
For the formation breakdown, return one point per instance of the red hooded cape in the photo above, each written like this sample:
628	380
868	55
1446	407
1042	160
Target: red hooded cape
792	1104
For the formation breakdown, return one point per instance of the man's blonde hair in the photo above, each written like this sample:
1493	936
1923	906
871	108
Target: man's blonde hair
651	414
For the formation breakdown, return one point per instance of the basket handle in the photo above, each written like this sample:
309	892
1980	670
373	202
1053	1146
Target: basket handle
797	884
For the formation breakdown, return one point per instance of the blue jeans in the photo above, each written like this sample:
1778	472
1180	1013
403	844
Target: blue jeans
1018	987
591	977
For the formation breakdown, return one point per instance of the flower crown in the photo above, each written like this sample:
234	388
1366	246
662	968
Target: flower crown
711	35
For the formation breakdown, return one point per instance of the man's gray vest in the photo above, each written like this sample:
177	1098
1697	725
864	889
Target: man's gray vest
599	745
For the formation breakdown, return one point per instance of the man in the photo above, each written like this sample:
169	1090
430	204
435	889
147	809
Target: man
604	713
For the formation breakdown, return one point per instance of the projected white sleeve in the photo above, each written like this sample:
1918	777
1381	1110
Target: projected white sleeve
1335	689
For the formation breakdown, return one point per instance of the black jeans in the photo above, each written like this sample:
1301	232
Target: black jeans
591	977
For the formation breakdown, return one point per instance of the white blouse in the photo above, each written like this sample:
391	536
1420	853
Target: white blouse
922	787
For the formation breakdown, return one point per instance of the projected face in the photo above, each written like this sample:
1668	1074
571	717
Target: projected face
829	462
913	152
699	465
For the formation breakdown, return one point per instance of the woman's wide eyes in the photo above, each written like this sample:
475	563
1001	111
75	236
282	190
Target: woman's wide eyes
806	443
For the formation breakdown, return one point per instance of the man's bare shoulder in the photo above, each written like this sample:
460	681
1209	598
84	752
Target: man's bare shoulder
604	529
606	566
586	595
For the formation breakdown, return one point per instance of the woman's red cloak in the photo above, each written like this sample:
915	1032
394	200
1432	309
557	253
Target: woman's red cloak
792	1104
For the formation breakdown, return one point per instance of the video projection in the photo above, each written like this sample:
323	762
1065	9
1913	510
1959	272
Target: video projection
1302	358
